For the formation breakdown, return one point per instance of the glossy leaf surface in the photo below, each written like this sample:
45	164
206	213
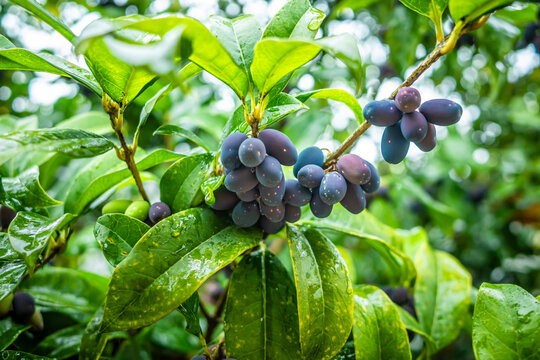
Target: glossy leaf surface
25	191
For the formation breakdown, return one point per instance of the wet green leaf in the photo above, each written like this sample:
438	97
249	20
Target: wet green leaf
190	310
71	142
346	352
29	234
12	267
149	105
209	186
468	10
336	95
296	19
280	107
93	341
63	343
18	355
345	48
506	323
170	129
169	263
432	9
117	234
324	293
261	320
378	331
181	182
412	324
25	191
10	331
97	122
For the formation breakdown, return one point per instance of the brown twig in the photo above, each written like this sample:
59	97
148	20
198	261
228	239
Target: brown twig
214	320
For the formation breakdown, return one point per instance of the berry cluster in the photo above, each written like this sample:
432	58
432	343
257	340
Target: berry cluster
257	191
139	209
405	124
22	308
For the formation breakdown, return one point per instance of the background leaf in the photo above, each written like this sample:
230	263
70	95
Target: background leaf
25	191
10	331
170	129
468	10
62	344
296	19
190	310
12	267
336	95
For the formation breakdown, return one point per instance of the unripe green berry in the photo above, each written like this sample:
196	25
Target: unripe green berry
116	206
5	304
138	209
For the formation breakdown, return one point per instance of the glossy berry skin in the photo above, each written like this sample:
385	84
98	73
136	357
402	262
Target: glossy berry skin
229	150
394	146
271	227
292	213
354	169
246	214
408	99
382	113
296	194
274	195
279	146
311	155
310	176
273	213
318	207
159	211
250	195
441	112
355	199
115	207
333	188
252	152
6	216
414	126
241	179
400	295
374	181
24	307
429	142
225	199
138	209
269	173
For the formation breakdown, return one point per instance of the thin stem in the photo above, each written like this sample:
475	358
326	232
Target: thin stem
332	157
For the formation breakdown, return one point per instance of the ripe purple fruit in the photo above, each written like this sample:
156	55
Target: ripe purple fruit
273	213
269	173
414	126
374	181
250	195
441	112
408	99
271	227
225	200
292	213
333	188
159	211
296	194
318	207
241	179
310	176
394	146
246	214
23	307
252	152
355	199
354	169
229	150
272	196
430	141
311	155
382	113
279	146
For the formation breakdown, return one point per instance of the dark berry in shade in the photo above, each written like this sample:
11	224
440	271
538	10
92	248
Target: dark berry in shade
414	126
241	179
292	213
310	176
273	213
400	295
311	155
229	150
252	152
279	146
318	207
410	309
355	199
269	173
407	99
249	195
333	188
388	290
374	180
354	169
159	211
296	194
225	200
23	307
6	216
394	146
382	113
430	141
441	112
272	195
271	227
246	214
199	357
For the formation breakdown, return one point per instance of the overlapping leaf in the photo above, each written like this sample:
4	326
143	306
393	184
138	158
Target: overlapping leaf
336	95
25	191
12	267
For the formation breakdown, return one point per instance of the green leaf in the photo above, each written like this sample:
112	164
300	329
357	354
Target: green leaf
275	58
412	324
149	106
18	355
279	108
296	19
432	9
93	340
104	172
441	294
336	95
72	292
97	122
29	234
190	310
378	330
261	320
238	36
506	323
71	142
180	184
345	48
13	58
12	267
169	263
209	186
25	191
469	10
62	344
46	16
10	331
324	293
346	352
170	129
116	234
